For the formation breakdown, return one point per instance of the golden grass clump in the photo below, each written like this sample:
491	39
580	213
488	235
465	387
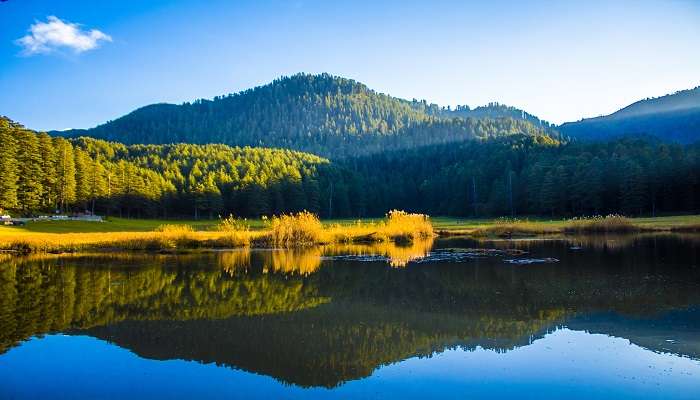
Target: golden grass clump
609	224
171	236
236	232
406	227
233	224
174	228
300	229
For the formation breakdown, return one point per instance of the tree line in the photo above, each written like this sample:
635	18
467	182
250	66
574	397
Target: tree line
522	175
514	175
43	174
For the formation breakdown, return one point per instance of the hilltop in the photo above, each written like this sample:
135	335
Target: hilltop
322	114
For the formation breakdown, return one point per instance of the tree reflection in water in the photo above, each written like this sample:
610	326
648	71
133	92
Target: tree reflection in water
307	318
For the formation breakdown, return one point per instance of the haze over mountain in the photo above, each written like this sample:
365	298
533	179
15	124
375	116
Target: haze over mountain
322	114
673	118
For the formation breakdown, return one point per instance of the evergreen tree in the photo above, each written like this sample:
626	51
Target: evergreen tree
29	173
83	188
633	189
8	166
97	183
65	173
48	167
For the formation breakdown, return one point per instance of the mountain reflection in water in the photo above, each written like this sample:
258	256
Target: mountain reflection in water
315	317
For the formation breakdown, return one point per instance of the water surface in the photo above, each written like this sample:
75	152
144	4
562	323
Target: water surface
604	317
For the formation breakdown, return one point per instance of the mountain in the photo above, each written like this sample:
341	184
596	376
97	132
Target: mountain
322	114
673	118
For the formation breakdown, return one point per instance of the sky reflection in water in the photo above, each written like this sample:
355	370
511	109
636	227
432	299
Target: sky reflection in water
615	320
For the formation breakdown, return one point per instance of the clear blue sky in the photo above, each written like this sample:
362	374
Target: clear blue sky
558	60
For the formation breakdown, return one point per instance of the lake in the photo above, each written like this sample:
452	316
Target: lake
584	317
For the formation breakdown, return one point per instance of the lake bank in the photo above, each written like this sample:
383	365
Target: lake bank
169	235
287	231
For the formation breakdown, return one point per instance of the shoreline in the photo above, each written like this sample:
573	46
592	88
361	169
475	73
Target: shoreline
305	230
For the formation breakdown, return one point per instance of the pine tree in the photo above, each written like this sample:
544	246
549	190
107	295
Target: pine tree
633	189
48	167
592	187
313	195
548	194
65	173
8	166
97	183
29	176
83	189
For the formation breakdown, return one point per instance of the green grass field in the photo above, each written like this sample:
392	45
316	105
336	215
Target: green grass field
111	225
440	224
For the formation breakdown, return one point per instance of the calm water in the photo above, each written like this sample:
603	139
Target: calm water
615	317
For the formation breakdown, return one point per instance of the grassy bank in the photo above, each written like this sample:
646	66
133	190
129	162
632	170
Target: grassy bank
301	229
522	227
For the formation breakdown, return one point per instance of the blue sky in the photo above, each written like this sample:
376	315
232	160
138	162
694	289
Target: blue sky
556	59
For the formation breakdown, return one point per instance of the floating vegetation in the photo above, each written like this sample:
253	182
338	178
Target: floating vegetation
528	261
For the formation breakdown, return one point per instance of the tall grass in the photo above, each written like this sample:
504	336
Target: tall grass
233	224
236	232
609	224
174	228
292	230
406	227
289	230
514	226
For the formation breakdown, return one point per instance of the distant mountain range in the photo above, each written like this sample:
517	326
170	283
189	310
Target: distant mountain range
322	114
674	118
338	117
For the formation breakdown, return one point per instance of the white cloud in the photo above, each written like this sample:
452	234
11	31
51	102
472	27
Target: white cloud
45	37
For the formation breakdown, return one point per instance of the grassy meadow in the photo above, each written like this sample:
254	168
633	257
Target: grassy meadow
302	229
294	230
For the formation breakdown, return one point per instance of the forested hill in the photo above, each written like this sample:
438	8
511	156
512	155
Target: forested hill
674	118
321	114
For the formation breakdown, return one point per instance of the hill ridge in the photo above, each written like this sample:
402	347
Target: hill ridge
323	114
